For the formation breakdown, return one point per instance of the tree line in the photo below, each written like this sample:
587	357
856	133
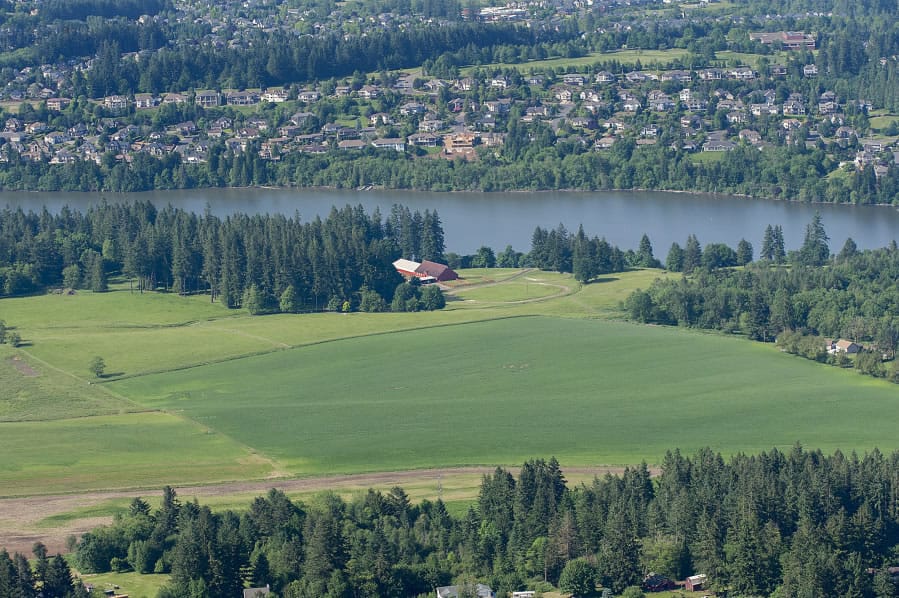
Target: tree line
808	294
263	263
793	523
545	163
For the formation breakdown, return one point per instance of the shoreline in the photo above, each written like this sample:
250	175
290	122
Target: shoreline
380	189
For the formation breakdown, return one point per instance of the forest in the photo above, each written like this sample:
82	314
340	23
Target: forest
808	294
262	263
789	172
792	523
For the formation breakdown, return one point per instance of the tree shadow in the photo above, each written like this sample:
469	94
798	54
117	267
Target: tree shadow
603	279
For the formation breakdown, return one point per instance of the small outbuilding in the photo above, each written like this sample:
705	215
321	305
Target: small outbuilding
481	590
656	583
696	583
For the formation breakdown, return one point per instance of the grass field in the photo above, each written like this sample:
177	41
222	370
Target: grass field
147	450
478	389
134	585
626	57
521	364
298	395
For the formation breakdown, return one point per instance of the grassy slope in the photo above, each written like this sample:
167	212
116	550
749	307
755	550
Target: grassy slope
34	391
146	450
504	391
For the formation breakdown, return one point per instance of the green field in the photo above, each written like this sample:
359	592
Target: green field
197	394
145	450
626	57
506	390
134	585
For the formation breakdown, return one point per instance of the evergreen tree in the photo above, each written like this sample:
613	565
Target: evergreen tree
675	260
814	250
692	254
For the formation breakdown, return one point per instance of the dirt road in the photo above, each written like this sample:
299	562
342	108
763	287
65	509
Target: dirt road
23	520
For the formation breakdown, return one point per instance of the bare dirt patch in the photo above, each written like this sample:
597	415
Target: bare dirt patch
23	367
20	518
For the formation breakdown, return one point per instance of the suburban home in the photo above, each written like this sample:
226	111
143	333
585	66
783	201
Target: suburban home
207	99
696	583
481	590
275	96
57	104
308	95
396	144
810	70
115	103
141	101
241	98
423	139
715	145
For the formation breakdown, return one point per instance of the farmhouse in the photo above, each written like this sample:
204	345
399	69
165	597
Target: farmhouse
842	346
481	590
696	583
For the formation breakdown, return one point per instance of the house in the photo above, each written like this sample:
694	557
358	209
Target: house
115	103
563	94
604	77
714	145
423	139
396	144
696	583
57	104
207	98
411	108
241	98
810	70
481	591
656	583
256	592
308	96
351	144
574	79
174	98
842	346
275	96
141	101
369	92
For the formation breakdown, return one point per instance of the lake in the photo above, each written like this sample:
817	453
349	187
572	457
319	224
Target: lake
499	219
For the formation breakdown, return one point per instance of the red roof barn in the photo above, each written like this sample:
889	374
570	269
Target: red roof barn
441	272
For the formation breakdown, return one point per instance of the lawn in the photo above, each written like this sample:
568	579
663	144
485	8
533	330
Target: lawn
589	392
146	450
625	57
134	585
152	332
529	287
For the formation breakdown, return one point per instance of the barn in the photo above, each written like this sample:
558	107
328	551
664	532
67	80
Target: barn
425	271
407	268
441	272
